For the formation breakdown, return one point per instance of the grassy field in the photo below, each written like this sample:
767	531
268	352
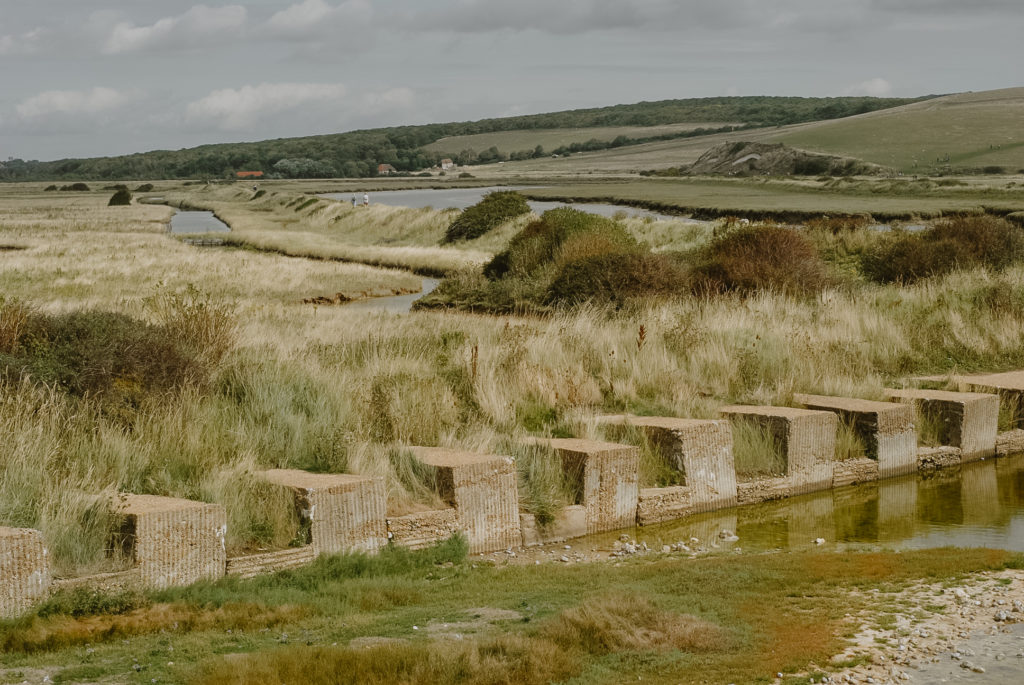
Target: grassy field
551	139
793	199
975	130
432	617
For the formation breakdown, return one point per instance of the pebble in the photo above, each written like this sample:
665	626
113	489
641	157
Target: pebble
819	541
564	559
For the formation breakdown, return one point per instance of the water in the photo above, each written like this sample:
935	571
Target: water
399	304
460	198
976	505
197	222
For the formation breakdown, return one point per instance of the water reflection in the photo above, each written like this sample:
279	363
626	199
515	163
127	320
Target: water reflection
976	505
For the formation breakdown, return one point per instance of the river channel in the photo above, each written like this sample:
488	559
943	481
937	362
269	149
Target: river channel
197	222
460	198
975	505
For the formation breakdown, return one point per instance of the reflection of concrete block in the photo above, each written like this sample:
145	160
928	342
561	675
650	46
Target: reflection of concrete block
172	541
571	522
663	504
969	420
853	471
886	428
979	495
807	439
423	528
345	512
1008	386
24	570
482	488
701	449
605	477
897	509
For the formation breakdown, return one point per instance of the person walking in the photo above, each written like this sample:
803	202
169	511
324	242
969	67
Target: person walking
353	200
366	200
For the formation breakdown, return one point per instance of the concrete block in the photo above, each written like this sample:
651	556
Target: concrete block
887	429
172	541
1008	386
571	522
853	471
656	505
969	419
605	476
423	528
701	449
24	570
345	512
483	490
807	438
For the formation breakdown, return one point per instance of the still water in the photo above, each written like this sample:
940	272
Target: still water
460	198
976	505
197	222
399	304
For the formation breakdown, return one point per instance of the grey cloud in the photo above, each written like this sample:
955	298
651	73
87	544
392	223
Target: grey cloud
199	24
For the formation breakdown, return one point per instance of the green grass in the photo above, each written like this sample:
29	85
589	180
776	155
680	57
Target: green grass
723	619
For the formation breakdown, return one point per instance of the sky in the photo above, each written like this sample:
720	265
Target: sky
95	78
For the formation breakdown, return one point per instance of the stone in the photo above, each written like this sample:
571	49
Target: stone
345	512
24	570
605	479
1009	386
172	541
887	429
482	489
700	449
807	439
423	528
663	504
969	420
854	471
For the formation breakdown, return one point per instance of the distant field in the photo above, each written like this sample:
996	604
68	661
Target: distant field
975	129
514	141
883	199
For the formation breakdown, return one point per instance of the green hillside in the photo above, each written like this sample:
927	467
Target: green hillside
358	153
969	131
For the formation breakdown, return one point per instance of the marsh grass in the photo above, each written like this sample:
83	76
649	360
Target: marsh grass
932	430
849	443
757	450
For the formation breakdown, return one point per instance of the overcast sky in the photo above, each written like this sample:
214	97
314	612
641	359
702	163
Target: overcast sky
104	77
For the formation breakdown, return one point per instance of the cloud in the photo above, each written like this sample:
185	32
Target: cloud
317	17
874	87
22	44
72	102
197	25
244	107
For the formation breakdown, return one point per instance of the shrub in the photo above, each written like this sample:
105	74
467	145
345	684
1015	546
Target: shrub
760	257
493	210
50	188
121	197
145	188
75	186
960	242
616	277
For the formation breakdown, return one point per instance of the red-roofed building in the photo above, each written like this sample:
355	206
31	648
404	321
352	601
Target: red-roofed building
385	169
249	174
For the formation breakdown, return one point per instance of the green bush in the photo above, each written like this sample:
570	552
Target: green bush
75	186
50	188
145	188
959	242
614	278
493	210
121	197
760	257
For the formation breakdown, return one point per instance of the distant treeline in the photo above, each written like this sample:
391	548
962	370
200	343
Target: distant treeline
358	153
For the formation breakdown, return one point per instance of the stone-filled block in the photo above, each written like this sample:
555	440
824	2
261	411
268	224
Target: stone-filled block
605	476
765	490
483	490
969	420
172	541
345	512
423	528
934	458
1009	386
807	439
701	449
1010	442
252	565
657	505
887	429
570	522
24	570
853	471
